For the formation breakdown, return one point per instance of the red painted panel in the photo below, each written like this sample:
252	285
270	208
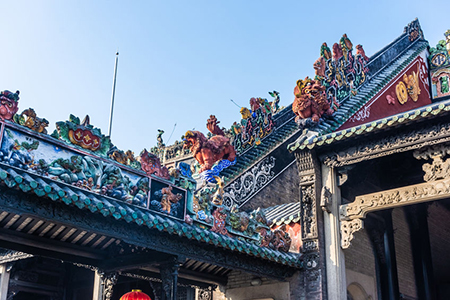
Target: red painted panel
408	90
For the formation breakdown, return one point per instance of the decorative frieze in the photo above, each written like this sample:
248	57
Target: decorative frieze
406	141
308	212
252	181
419	193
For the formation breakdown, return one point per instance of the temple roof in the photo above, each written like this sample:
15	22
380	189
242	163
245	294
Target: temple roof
284	213
422	113
386	66
76	198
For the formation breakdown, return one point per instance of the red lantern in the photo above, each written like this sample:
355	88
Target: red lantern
135	295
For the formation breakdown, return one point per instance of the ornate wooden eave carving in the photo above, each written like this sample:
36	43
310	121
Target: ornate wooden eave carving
407	140
419	193
436	187
353	212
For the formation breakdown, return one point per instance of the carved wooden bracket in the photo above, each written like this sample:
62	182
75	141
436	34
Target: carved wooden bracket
439	168
347	230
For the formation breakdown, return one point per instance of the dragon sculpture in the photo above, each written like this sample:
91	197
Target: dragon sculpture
209	151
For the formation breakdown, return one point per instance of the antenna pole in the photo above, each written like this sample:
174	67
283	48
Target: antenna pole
113	93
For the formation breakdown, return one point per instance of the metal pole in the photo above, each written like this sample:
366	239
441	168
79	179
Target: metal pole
113	93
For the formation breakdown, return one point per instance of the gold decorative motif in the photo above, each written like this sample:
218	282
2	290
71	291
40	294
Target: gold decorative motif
412	84
402	93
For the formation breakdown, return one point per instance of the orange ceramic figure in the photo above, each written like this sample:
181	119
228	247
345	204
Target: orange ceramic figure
209	151
151	165
310	100
304	106
360	51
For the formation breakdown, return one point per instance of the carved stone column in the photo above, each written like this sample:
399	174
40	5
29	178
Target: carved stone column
104	285
334	255
311	226
169	277
4	281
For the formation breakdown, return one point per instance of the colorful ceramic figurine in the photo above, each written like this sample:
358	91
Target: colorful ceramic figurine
274	104
360	51
319	67
212	126
8	104
151	165
28	118
219	221
217	198
310	100
346	46
337	52
325	51
208	151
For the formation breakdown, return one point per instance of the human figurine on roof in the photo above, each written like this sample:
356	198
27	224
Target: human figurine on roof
8	104
159	138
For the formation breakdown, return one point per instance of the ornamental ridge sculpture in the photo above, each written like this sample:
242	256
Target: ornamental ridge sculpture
212	154
339	74
256	123
78	156
439	62
8	104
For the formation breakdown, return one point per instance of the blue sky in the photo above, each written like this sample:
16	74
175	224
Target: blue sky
181	61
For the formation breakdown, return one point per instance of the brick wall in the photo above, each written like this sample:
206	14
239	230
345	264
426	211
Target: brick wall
239	287
283	189
360	263
439	228
359	256
238	279
405	267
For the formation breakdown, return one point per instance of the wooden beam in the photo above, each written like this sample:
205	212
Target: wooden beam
25	242
133	261
195	276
